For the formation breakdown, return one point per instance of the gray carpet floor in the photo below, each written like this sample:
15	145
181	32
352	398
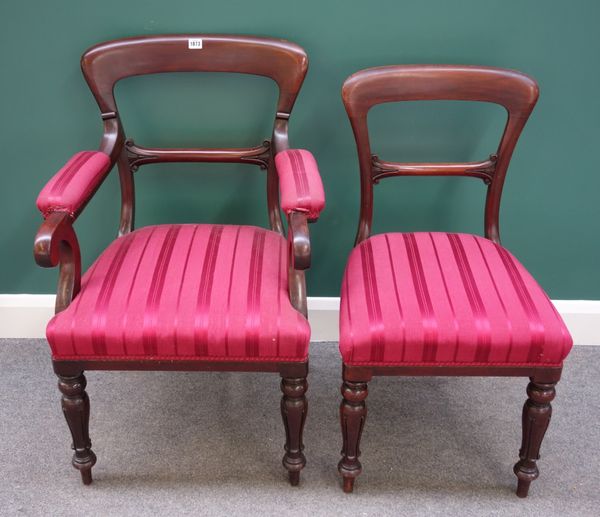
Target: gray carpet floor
211	444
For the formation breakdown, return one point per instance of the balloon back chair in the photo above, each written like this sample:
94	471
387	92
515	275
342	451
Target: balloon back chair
185	297
426	304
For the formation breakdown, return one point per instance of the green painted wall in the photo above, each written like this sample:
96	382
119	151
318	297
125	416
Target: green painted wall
551	204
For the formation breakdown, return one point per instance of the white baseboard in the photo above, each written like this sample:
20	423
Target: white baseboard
26	315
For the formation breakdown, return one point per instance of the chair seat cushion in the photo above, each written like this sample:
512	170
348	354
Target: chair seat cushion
185	292
441	298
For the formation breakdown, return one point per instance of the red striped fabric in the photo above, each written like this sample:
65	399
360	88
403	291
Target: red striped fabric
480	319
188	292
438	298
253	295
106	288
157	284
299	173
373	303
300	184
430	326
205	288
68	172
70	187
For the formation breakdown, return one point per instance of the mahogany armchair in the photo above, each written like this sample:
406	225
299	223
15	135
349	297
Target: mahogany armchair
425	304
184	297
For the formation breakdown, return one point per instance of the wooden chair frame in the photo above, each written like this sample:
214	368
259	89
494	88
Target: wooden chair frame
56	242
518	94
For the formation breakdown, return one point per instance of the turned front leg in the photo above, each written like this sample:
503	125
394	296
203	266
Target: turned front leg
76	408
536	417
353	413
293	411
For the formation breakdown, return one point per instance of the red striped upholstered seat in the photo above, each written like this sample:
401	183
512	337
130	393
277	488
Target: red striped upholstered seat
188	292
415	298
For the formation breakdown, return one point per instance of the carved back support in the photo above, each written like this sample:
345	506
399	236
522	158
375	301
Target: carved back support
105	64
516	92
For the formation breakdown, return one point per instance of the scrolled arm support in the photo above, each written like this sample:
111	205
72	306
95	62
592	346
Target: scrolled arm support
299	259
299	240
56	245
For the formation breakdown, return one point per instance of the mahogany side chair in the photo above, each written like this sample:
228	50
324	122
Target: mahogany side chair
184	297
443	304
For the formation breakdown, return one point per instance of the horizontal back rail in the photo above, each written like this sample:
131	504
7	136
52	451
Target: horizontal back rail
139	155
483	169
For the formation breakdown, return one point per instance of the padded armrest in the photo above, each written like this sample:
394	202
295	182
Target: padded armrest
71	187
300	184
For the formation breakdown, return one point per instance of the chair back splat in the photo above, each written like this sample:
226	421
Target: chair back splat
107	63
515	91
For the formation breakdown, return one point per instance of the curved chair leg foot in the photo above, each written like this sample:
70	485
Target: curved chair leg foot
523	488
76	408
293	411
536	418
86	474
294	477
349	484
353	413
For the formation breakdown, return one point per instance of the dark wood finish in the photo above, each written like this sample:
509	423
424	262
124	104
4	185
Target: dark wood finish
286	369
518	93
300	240
353	414
366	373
297	289
107	63
293	411
126	223
56	243
484	169
536	417
536	412
279	142
300	256
76	408
142	155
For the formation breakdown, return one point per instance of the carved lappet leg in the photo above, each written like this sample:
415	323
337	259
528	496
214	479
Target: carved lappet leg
536	417
353	413
76	408
293	411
